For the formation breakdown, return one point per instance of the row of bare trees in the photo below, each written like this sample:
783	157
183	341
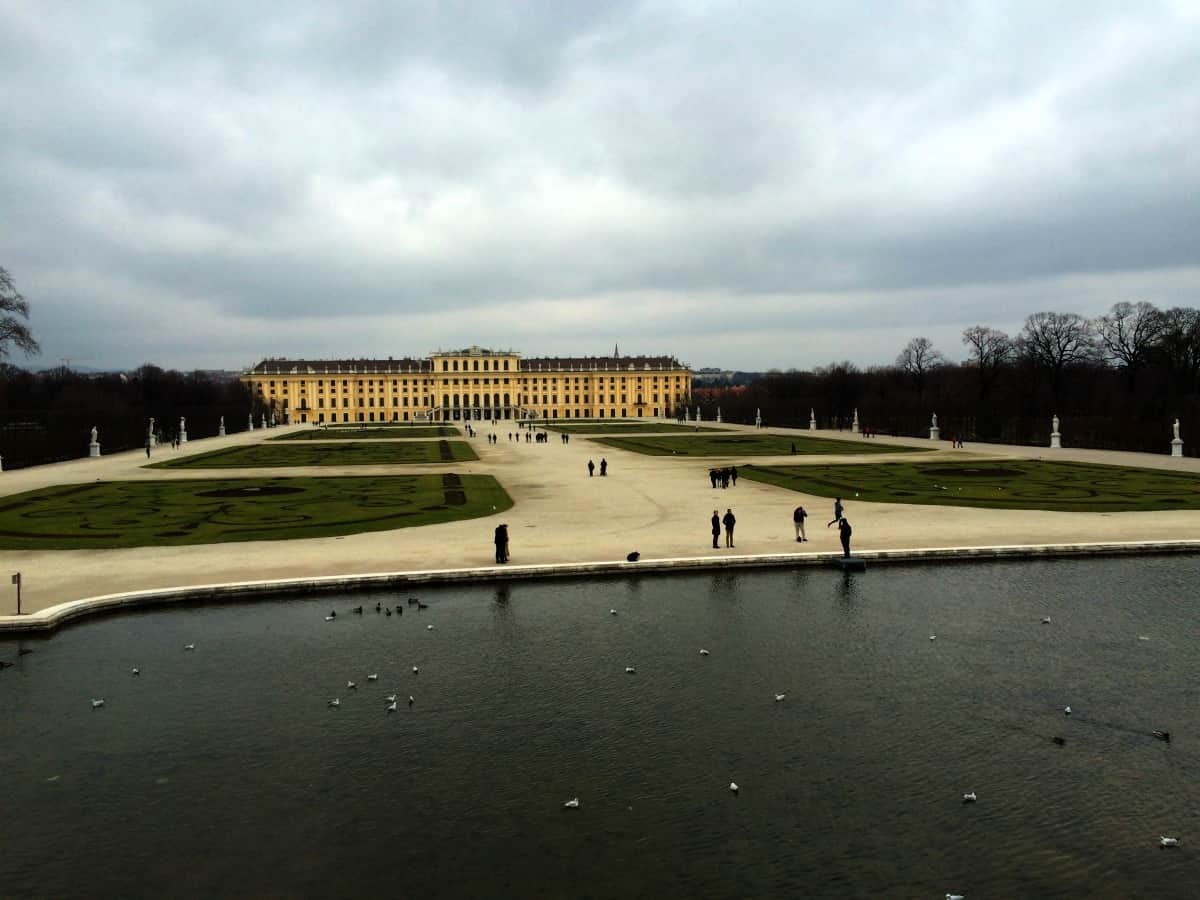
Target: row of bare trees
1116	381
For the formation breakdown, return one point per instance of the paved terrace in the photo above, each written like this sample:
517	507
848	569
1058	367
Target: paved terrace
659	506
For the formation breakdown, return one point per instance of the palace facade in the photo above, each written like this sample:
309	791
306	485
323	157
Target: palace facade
470	384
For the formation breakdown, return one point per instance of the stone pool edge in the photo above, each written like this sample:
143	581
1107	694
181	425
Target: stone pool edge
53	616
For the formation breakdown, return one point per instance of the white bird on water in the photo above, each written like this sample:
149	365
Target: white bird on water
630	670
1045	620
416	670
429	628
351	685
1165	841
334	702
933	637
779	697
1067	711
189	646
390	698
411	701
573	803
391	707
96	704
612	612
733	786
703	652
955	897
134	671
373	677
969	798
330	618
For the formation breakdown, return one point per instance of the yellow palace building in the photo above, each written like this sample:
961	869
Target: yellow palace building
470	384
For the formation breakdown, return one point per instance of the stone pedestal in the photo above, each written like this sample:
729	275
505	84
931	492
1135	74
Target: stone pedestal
94	450
854	425
182	431
1177	447
1055	440
935	433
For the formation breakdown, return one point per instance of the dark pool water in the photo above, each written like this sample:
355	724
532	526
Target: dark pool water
222	772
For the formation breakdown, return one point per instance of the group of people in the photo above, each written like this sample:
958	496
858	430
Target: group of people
501	539
723	476
603	467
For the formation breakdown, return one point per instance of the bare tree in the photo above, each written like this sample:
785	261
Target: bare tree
1179	342
1055	341
990	349
12	329
917	359
1130	332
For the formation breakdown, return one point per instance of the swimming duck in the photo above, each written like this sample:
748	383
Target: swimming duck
334	702
573	803
969	798
96	704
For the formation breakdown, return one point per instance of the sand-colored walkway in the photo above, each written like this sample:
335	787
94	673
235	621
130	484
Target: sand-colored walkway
659	506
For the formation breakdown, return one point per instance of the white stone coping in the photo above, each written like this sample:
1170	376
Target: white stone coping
51	617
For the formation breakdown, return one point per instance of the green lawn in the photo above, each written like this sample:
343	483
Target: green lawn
1007	484
754	444
173	513
627	427
258	456
368	434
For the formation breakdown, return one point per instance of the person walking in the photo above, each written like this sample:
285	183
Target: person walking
716	529
591	468
729	521
838	509
844	532
603	466
798	517
733	475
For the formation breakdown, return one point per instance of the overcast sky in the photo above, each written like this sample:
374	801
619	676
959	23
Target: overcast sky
744	185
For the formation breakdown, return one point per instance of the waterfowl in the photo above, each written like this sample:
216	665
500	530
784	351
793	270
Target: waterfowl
630	670
416	671
954	897
733	786
1067	711
96	704
389	612
421	605
134	671
1058	740
779	697
612	612
1045	620
391	707
969	798
358	610
378	607
1162	735
351	685
390	698
373	677
334	702
412	601
573	803
333	614
1165	841
703	652
411	701
933	637
189	646
329	618
429	627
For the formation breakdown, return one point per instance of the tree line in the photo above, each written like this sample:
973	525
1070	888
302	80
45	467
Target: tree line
48	416
1116	381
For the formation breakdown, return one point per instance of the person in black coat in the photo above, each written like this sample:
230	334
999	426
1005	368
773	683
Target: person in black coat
729	521
844	532
716	528
501	539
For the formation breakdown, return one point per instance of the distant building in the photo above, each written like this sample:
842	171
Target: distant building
471	384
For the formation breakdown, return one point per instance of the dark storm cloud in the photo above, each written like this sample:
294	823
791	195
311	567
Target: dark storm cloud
744	184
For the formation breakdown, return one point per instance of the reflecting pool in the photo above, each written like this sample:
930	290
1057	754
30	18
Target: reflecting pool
223	771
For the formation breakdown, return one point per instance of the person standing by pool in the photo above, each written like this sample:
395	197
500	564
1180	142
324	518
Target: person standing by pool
729	521
798	517
501	539
838	509
716	528
844	532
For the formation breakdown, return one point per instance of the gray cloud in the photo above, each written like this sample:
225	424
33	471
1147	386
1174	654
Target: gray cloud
750	185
